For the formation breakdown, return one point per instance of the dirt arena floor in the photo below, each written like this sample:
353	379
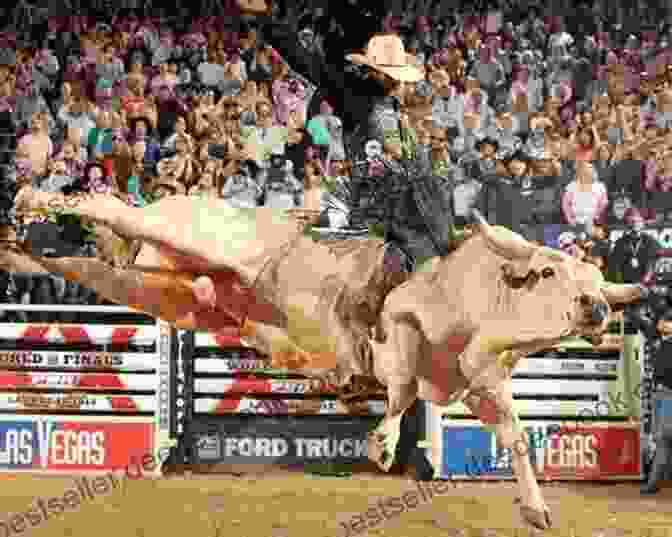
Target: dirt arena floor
298	505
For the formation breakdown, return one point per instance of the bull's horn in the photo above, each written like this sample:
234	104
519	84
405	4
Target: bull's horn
503	241
621	293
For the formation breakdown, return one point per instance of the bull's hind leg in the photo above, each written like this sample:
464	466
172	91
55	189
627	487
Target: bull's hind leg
496	407
396	367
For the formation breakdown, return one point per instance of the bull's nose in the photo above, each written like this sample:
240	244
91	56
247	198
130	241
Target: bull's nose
600	312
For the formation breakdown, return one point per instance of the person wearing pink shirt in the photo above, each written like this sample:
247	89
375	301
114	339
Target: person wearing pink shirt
585	200
37	145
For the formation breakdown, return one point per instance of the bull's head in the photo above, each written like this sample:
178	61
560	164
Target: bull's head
555	289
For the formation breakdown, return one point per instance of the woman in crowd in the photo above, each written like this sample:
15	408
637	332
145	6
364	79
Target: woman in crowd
585	200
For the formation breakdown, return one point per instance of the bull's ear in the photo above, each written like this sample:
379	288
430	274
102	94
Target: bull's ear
621	293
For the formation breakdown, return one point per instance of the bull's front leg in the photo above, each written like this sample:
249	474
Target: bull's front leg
491	399
396	367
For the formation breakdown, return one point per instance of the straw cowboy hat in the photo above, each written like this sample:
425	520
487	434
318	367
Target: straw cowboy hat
385	53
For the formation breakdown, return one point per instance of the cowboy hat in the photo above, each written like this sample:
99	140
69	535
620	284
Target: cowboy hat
385	53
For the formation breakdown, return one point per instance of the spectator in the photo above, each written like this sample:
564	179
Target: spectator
634	251
181	167
96	180
74	158
169	108
99	141
141	130
264	139
282	189
37	146
110	67
134	181
58	178
585	145
489	72
585	199
135	103
604	163
180	131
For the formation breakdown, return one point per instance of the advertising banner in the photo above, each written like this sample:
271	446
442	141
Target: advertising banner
231	365
65	444
257	385
76	402
77	381
108	361
593	451
220	340
305	407
568	367
286	441
138	335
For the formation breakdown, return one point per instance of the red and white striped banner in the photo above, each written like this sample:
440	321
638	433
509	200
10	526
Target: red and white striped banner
258	386
250	405
66	402
108	361
231	365
221	340
75	334
79	333
79	381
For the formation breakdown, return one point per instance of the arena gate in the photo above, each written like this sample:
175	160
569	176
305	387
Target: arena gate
92	397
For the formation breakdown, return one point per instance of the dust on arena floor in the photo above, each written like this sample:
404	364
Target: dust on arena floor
297	504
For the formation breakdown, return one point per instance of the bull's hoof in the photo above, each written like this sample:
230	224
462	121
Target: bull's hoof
541	520
379	451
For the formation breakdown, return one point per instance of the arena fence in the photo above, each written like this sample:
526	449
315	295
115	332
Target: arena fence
242	411
93	397
85	397
579	406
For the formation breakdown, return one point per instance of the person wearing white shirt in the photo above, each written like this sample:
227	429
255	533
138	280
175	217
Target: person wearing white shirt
77	119
264	140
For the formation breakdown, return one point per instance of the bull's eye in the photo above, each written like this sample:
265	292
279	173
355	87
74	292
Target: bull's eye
547	273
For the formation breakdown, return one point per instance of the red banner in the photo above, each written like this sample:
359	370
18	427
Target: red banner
54	443
592	452
98	446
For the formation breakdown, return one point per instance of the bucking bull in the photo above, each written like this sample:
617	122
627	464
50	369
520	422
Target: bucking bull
453	330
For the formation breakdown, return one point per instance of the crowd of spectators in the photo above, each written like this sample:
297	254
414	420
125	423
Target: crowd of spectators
546	122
